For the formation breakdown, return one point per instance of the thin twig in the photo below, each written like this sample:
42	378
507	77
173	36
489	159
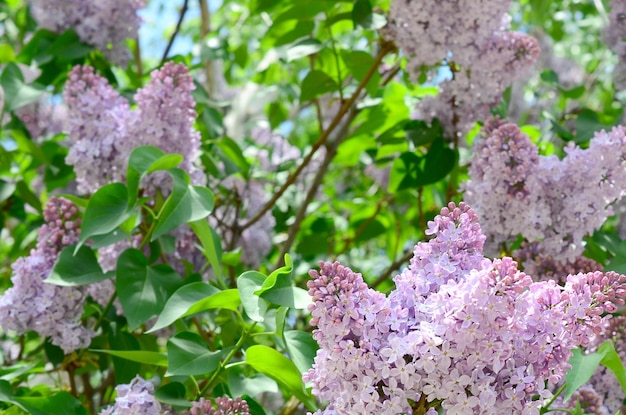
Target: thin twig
181	17
323	138
331	151
205	29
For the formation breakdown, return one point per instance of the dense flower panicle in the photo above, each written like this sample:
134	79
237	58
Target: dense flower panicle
166	117
43	119
135	398
614	35
474	90
429	31
104	130
470	37
222	406
470	335
545	267
98	23
32	304
248	199
99	118
555	202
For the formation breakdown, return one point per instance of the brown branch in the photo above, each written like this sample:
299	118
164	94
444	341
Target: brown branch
205	29
396	265
386	48
181	17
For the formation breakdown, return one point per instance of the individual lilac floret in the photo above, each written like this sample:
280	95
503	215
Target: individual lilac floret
479	338
32	304
136	398
222	406
98	23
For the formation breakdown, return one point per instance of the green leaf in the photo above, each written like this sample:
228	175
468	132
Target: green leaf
274	280
139	356
302	348
107	209
16	92
211	246
68	47
185	204
227	299
76	269
142	290
144	160
6	53
180	302
583	367
188	355
303	48
612	361
359	63
173	394
121	340
270	362
61	403
232	152
364	16
587	123
6	190
248	283
316	83
439	162
292	297
421	134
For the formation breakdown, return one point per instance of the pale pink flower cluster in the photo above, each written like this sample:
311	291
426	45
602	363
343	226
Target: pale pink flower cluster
471	38
460	333
104	130
543	198
103	24
32	304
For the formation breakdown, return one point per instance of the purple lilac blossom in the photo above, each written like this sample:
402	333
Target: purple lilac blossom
545	199
104	130
103	24
545	267
471	38
135	398
32	304
460	332
614	35
222	406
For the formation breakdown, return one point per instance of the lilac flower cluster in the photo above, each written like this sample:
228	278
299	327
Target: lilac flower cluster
545	199
545	267
614	35
42	118
136	398
248	199
472	39
104	130
31	304
98	23
223	406
460	332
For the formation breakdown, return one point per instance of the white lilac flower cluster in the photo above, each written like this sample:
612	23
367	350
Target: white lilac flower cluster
614	35
32	304
104	130
542	198
460	332
103	24
471	38
248	198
